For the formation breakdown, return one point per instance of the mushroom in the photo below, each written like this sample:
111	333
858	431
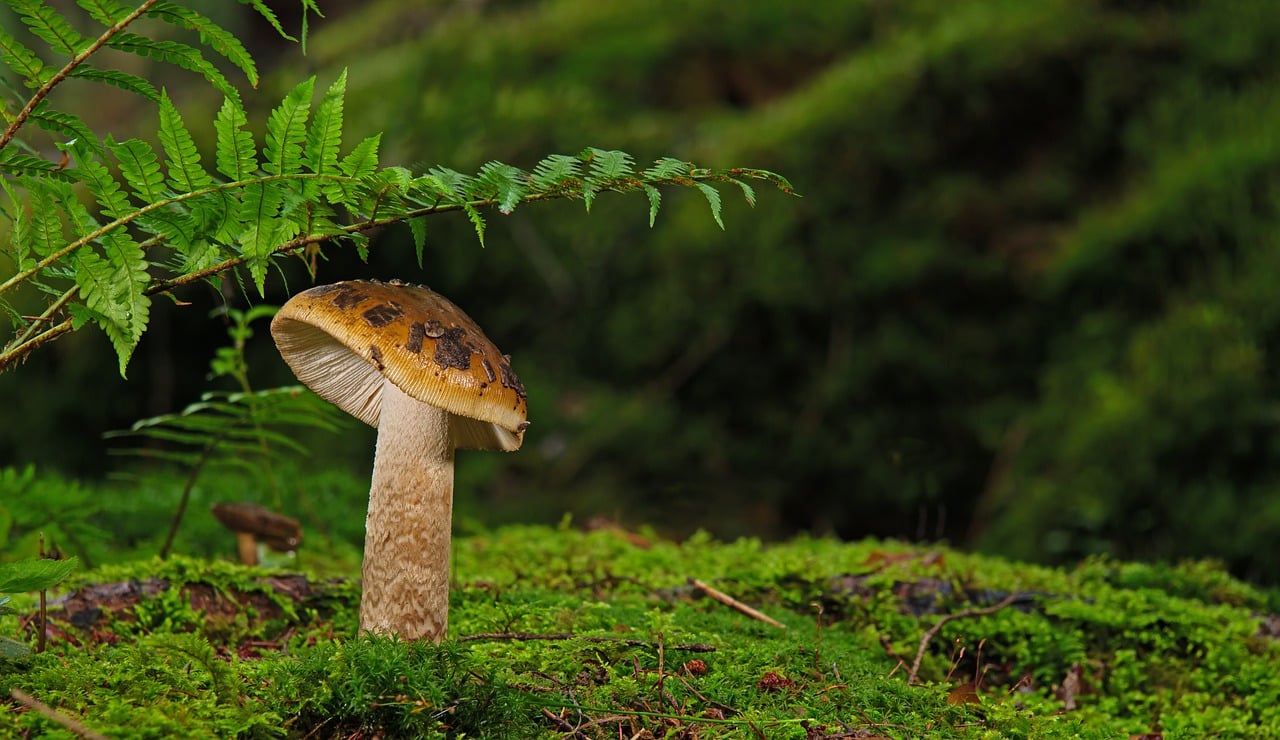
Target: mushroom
405	360
253	522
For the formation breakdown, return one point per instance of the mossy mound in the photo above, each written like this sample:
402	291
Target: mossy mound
563	633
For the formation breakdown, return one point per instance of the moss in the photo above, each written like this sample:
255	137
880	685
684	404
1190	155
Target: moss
557	630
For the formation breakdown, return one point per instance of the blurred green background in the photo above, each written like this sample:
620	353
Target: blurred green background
1027	302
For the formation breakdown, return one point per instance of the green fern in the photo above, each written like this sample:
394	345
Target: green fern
258	202
245	429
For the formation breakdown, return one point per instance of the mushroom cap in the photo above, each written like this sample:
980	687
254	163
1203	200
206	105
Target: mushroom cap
278	531
342	340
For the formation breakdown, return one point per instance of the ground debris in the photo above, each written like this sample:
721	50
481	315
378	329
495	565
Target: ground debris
95	606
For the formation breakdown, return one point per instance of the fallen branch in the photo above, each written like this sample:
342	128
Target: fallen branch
733	603
35	704
933	631
696	647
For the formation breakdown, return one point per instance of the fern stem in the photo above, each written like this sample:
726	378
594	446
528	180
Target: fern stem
135	215
46	316
186	493
18	352
43	91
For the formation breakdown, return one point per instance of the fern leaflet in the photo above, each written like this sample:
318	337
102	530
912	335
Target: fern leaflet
49	26
174	53
324	139
211	35
185	172
713	200
607	164
287	130
18	57
106	12
237	158
418	228
140	169
116	78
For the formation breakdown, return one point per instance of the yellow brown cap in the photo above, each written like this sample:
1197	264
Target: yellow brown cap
341	340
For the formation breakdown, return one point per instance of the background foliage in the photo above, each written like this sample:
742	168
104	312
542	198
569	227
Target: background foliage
1026	302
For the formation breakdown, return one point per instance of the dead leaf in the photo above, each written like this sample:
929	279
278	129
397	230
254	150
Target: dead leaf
965	693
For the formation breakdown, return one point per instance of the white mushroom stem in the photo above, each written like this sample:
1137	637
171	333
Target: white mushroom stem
406	545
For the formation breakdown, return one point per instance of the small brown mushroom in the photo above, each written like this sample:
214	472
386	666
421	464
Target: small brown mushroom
254	522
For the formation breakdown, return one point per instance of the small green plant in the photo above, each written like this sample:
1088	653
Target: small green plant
34	504
245	429
163	220
35	574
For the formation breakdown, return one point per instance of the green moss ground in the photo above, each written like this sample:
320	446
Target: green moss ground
560	633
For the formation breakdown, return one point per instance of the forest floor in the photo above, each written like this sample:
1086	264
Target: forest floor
561	633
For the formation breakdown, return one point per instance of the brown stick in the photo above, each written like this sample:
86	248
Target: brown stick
933	631
71	724
563	725
733	603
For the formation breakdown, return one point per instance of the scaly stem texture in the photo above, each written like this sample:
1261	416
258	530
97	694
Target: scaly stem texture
407	534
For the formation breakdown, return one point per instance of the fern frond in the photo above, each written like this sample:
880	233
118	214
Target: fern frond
748	192
140	169
418	228
236	155
106	12
19	58
112	290
259	210
713	200
557	173
49	26
116	78
500	183
362	161
112	287
324	138
476	220
270	16
185	172
104	187
287	130
666	169
211	34
655	201
44	235
65	124
13	162
222	422
173	52
608	164
19	246
451	184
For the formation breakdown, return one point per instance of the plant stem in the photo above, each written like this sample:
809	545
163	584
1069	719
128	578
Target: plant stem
186	493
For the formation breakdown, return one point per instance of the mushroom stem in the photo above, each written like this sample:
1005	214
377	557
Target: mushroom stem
407	534
247	546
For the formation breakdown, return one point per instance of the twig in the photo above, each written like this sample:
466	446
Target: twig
933	631
696	647
733	603
564	725
71	724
